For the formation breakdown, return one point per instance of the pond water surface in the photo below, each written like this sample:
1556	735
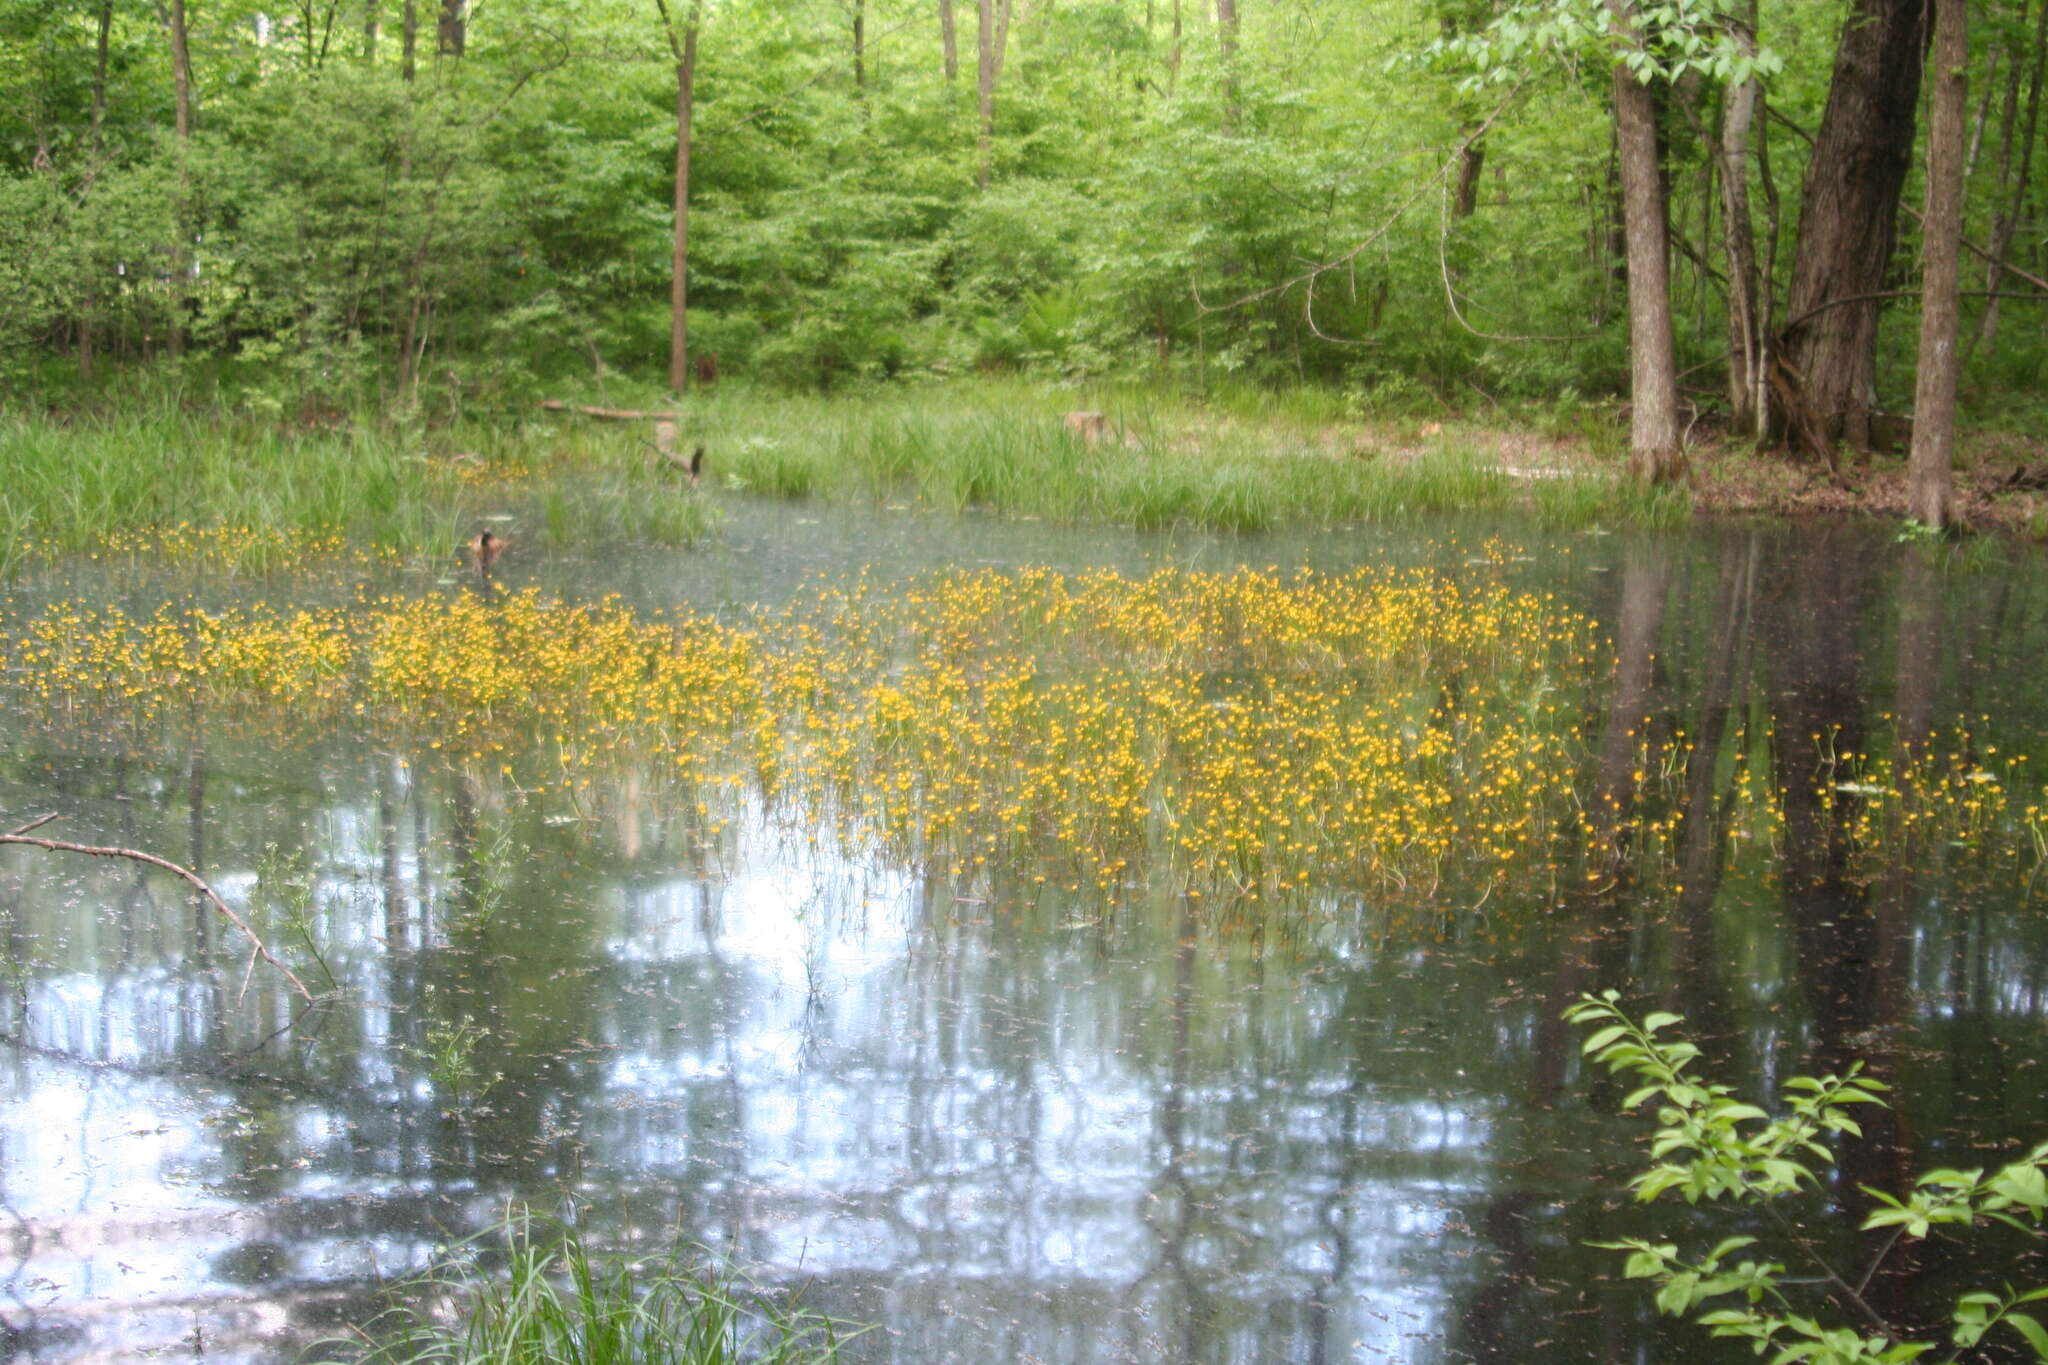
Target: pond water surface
1035	1090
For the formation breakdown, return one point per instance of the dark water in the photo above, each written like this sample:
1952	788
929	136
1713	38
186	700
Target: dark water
999	1122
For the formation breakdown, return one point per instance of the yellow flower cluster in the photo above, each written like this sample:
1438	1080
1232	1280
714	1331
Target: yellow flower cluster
1250	734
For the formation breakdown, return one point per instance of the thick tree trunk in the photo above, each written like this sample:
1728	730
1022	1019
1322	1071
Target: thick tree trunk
1655	452
1848	222
679	266
949	37
1928	485
1745	325
451	32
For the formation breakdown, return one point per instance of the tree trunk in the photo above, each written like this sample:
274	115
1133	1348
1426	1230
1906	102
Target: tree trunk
1471	161
2014	198
1928	485
99	77
409	39
181	80
684	46
1654	450
1226	44
371	19
451	31
992	30
949	37
1745	327
1173	54
860	44
1848	222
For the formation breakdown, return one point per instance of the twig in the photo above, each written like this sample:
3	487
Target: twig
20	835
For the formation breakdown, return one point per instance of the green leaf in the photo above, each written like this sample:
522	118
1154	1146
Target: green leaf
2031	1330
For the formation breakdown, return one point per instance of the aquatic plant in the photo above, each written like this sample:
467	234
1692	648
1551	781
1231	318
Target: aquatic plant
533	1291
1248	735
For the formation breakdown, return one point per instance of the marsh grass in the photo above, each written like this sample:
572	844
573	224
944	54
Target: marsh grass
1247	464
71	486
532	1291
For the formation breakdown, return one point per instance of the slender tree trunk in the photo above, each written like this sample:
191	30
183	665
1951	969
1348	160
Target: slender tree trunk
173	18
1173	53
684	47
2014	198
1655	452
1226	44
1928	485
1745	327
860	44
99	77
409	40
1848	223
451	32
949	38
371	18
984	89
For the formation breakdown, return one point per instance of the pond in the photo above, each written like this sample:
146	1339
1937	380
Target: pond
1043	944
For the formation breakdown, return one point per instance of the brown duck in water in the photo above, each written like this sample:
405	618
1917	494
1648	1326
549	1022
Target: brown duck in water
485	549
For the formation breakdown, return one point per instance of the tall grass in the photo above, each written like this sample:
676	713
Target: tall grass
533	1292
67	486
1248	467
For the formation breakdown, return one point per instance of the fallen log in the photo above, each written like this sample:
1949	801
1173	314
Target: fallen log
611	414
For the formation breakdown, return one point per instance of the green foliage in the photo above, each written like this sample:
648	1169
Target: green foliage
1710	1145
533	1290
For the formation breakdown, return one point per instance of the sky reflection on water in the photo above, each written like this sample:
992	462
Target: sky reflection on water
1004	1122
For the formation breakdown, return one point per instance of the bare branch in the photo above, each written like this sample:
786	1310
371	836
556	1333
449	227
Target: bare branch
20	835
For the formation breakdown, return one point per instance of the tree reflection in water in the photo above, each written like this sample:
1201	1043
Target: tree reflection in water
1003	1118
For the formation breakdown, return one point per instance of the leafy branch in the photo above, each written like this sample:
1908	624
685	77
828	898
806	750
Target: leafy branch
1711	1145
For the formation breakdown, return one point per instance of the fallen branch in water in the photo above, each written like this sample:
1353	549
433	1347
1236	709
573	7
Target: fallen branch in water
20	835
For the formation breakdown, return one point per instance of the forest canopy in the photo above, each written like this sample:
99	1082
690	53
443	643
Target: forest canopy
1419	201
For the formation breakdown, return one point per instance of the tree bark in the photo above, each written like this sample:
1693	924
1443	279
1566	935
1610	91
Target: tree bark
2014	197
1848	221
1173	54
1738	237
1655	452
684	47
860	44
173	17
451	32
1929	494
99	77
984	90
371	23
1226	44
409	39
949	37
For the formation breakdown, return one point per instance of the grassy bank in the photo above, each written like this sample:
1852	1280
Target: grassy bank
1246	462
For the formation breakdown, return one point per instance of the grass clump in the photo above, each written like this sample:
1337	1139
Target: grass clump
532	1291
